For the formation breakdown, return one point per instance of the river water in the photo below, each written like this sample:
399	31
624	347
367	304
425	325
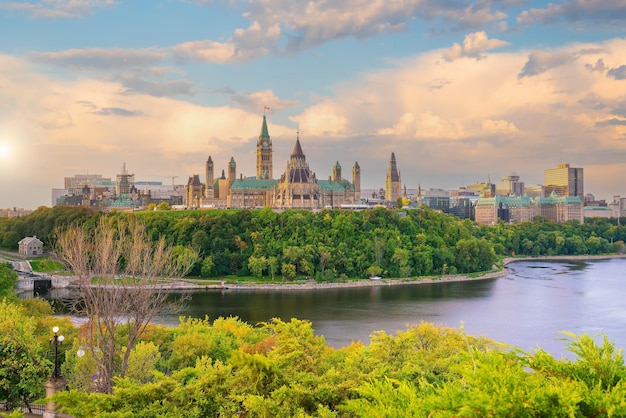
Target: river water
527	308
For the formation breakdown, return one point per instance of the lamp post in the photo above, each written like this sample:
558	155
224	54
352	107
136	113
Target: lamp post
56	381
56	341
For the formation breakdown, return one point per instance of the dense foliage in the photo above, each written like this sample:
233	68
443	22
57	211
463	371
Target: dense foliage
339	244
25	351
8	278
282	369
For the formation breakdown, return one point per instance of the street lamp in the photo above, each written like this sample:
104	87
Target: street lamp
56	341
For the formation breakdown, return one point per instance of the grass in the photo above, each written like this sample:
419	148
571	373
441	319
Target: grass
45	265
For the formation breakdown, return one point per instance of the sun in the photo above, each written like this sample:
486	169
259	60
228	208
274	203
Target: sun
4	150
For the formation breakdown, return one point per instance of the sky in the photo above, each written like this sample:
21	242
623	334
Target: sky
460	90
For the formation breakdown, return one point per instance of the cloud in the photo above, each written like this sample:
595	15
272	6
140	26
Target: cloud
474	46
611	122
593	101
498	126
100	58
540	62
598	66
277	27
109	111
618	73
134	85
57	9
256	101
55	119
592	12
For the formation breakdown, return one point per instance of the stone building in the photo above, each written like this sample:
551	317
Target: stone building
297	187
31	247
393	182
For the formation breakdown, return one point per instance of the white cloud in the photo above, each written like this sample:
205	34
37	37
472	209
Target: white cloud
56	9
255	102
474	46
102	58
483	118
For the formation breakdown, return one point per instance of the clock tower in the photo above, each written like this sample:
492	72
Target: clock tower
264	153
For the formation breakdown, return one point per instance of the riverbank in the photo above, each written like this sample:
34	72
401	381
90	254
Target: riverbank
187	285
496	273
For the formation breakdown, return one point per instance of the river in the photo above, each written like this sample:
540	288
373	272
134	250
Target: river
527	308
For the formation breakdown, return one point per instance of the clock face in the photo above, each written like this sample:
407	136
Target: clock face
265	145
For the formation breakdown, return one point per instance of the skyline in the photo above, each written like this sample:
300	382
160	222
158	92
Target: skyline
459	91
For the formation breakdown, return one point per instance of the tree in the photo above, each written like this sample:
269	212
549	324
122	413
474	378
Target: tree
117	250
8	278
256	265
23	363
163	206
207	267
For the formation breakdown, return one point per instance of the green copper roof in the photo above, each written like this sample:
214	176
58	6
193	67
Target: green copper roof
264	133
507	201
334	186
253	183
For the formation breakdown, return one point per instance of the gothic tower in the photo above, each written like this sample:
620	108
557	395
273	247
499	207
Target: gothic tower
209	178
337	172
232	171
264	153
393	183
356	180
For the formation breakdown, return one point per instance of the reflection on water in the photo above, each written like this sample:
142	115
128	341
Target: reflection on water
527	308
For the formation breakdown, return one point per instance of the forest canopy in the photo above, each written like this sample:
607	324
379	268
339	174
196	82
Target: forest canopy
336	244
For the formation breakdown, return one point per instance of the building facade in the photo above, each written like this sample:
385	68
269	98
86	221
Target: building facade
297	187
31	247
513	209
564	180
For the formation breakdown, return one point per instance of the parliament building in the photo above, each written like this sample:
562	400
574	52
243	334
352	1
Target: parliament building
297	187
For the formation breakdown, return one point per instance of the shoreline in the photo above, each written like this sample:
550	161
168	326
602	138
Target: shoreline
312	285
183	285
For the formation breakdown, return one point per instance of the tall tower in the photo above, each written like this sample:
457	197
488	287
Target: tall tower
564	180
124	182
356	180
264	153
337	172
209	178
392	185
232	171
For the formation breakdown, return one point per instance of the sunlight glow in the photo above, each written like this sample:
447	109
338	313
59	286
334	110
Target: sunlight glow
4	150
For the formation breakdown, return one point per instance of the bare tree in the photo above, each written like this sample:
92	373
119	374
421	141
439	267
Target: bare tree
122	280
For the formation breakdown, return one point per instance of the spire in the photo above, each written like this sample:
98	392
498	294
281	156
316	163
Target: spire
297	151
264	135
210	160
393	168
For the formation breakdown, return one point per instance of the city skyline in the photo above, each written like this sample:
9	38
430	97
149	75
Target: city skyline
459	91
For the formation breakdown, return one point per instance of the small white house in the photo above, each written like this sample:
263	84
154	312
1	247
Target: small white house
31	247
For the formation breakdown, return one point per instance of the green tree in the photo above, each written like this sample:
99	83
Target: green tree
257	265
24	366
207	266
8	280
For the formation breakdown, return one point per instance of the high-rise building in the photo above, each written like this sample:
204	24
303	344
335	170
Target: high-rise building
510	186
393	183
564	180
